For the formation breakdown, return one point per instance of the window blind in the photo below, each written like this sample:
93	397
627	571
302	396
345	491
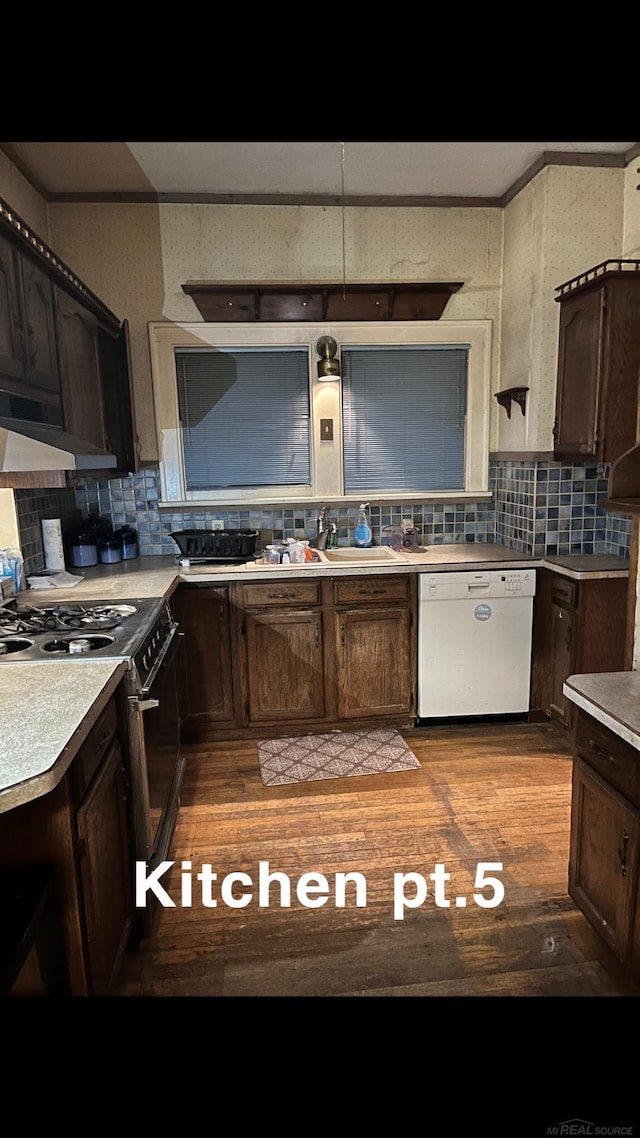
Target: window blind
404	413
244	415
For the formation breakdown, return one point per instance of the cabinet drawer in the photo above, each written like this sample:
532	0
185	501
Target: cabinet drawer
363	589
617	761
564	592
95	747
281	593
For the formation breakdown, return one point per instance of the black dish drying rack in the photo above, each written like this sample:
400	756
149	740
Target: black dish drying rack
226	546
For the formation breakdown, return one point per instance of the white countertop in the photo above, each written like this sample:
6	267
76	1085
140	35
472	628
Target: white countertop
613	698
42	723
46	710
159	576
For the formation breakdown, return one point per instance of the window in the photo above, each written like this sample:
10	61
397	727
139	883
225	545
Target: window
404	415
244	415
238	412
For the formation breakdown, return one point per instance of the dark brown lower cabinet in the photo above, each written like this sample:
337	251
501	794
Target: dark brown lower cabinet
81	829
374	662
285	666
205	676
296	653
605	836
579	627
103	849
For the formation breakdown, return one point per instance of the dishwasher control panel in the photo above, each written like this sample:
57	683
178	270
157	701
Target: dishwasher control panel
484	583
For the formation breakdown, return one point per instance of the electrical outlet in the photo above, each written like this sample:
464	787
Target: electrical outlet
217	523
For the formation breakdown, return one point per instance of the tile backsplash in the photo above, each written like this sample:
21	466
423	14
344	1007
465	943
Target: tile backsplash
537	507
31	507
552	507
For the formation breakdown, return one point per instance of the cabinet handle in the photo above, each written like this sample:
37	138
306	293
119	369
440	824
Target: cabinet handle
622	853
100	744
20	335
317	628
602	754
371	592
342	633
221	612
33	347
281	596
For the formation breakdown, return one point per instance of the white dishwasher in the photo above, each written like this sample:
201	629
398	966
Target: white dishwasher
474	642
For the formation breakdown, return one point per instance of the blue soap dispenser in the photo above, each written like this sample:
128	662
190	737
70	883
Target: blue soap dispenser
362	532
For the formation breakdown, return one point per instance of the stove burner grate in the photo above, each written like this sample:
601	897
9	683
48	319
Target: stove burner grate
63	618
76	645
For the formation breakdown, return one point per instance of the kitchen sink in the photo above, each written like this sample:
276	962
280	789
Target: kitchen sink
351	555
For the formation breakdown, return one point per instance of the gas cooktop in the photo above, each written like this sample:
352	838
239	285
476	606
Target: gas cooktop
44	630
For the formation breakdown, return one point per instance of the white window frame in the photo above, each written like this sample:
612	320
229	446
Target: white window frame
326	403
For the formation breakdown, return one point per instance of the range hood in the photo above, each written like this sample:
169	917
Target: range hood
27	446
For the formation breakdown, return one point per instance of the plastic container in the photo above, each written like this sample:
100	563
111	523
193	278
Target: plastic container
362	532
271	555
296	553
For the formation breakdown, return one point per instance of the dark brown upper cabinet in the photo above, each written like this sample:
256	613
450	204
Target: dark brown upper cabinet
64	356
80	370
117	397
598	363
29	372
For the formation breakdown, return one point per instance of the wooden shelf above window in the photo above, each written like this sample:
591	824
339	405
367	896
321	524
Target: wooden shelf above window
288	302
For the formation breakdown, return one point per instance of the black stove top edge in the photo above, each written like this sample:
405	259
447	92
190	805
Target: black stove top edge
124	635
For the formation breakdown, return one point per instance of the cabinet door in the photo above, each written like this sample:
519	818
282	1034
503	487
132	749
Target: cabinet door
106	871
11	333
285	665
374	662
562	655
119	415
42	371
603	864
204	667
580	352
80	370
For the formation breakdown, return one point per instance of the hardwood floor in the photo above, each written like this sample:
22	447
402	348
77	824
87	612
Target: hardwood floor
485	793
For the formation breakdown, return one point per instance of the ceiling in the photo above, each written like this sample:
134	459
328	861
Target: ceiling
323	172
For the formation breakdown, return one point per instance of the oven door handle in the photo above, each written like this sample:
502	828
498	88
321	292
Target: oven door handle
165	658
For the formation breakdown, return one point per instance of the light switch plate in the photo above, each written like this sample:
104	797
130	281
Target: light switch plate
326	430
217	523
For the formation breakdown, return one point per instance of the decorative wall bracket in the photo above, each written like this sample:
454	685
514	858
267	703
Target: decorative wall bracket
512	394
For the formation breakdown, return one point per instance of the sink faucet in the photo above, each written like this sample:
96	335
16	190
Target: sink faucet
322	531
